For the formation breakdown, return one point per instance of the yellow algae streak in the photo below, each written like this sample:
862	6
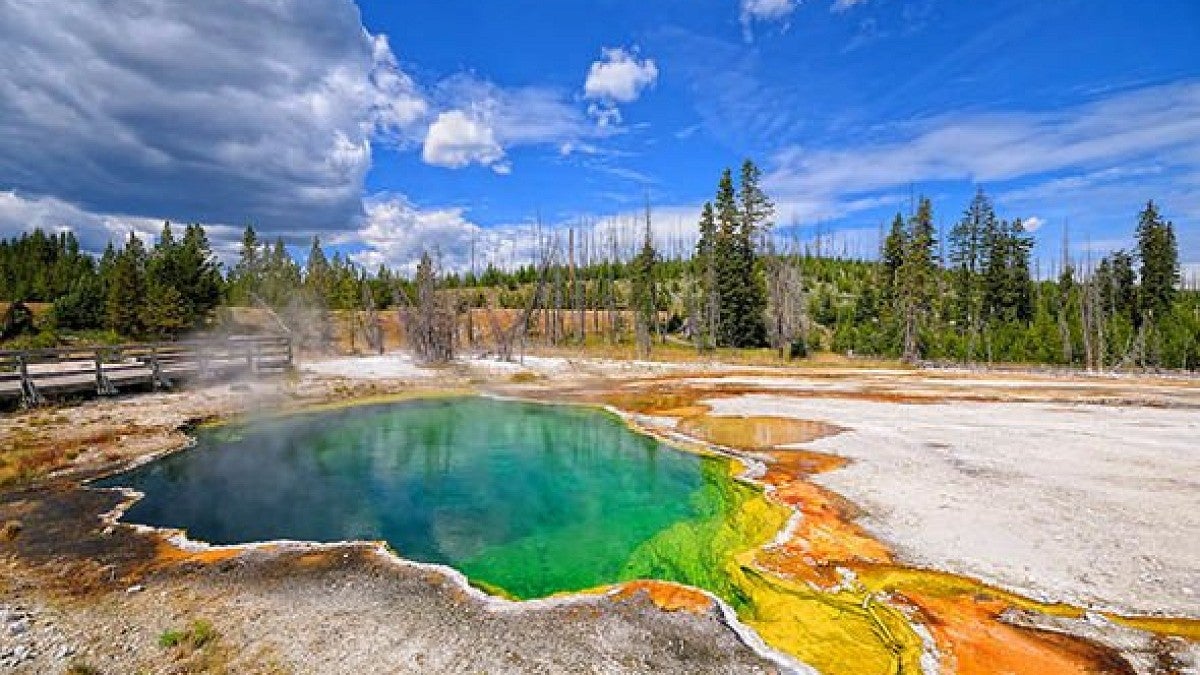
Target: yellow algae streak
844	631
1188	629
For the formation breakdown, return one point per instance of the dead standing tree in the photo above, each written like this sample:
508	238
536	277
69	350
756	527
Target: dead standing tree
372	330
506	337
786	300
430	318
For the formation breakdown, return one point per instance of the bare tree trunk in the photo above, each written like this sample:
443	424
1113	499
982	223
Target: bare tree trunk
372	331
507	338
612	293
430	320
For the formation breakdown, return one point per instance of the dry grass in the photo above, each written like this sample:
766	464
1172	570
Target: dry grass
28	449
10	530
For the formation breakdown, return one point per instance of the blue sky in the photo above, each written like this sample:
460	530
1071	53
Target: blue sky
391	127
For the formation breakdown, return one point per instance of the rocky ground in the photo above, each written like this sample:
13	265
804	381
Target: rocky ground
350	611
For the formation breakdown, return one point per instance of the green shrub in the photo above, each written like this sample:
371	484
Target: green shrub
197	635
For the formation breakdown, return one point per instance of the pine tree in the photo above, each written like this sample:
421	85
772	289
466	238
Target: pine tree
644	291
199	280
318	278
1121	293
1159	255
705	262
918	277
756	212
893	257
126	293
281	278
968	259
246	277
163	311
164	315
995	270
731	278
1018	296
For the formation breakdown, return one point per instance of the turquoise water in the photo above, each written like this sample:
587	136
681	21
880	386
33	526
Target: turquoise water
525	498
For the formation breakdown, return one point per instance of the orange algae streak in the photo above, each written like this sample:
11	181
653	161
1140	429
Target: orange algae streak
167	554
657	402
964	617
823	539
973	642
667	596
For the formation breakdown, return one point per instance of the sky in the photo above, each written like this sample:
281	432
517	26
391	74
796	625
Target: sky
390	128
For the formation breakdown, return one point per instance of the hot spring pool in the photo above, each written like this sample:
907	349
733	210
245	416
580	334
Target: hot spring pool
525	499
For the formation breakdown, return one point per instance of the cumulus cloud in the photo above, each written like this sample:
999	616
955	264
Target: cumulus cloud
224	111
619	76
456	139
20	214
764	11
1033	223
483	121
396	232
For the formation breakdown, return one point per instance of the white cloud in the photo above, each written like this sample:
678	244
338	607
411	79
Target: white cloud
398	104
766	10
456	139
396	232
482	121
607	115
843	5
1189	274
619	76
1097	142
1033	223
20	214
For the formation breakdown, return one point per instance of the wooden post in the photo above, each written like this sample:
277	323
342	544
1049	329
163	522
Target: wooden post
103	386
201	362
159	380
30	397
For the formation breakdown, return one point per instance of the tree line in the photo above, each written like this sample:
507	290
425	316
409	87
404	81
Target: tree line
973	295
154	293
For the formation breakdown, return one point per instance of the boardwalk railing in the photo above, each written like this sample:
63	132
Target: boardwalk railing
32	374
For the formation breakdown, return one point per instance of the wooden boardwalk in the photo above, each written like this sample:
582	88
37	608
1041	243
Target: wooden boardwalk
30	376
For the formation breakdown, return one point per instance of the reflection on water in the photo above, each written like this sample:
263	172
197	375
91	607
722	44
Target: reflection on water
529	498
